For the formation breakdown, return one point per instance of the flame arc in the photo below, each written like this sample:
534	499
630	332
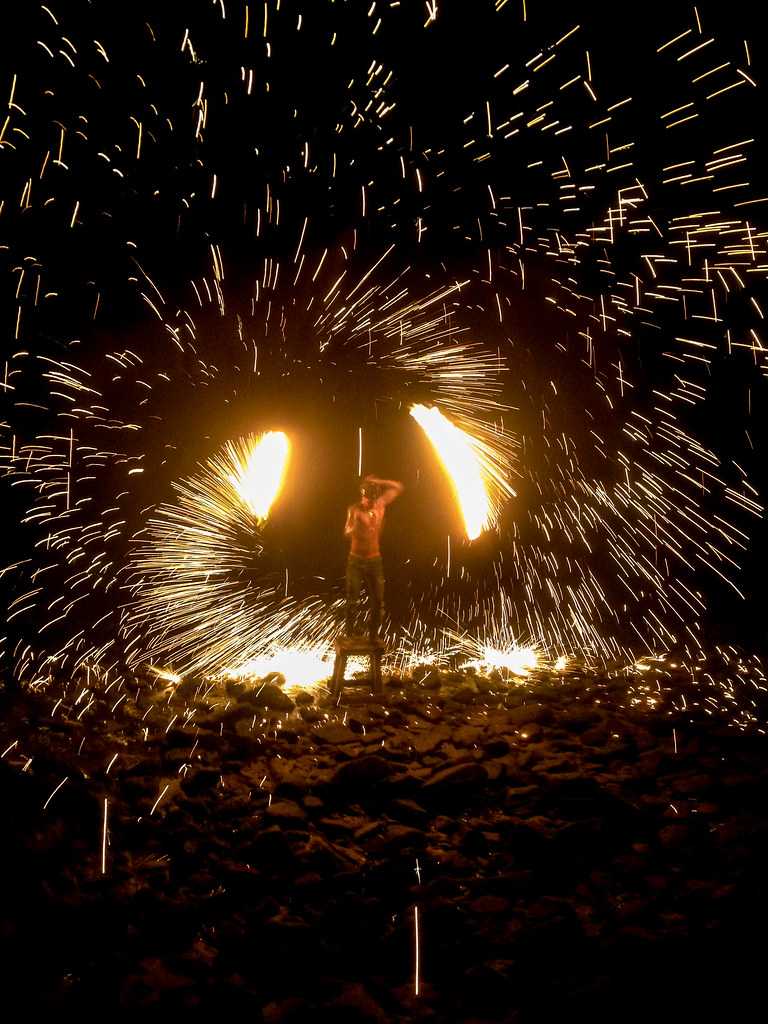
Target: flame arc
260	476
458	456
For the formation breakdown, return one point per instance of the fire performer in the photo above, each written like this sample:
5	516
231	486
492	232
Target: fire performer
364	565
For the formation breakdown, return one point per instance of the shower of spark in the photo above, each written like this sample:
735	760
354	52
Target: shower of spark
192	604
330	236
260	477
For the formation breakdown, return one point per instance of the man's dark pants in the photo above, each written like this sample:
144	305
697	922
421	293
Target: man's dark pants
368	571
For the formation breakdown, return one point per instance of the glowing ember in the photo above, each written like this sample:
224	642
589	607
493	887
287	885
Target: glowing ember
260	478
457	453
518	661
165	674
649	662
302	667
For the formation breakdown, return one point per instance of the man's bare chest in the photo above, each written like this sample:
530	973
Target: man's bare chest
367	520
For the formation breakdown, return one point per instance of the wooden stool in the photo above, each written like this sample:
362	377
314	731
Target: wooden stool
347	647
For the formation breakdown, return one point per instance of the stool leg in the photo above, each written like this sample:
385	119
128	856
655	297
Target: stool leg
338	678
342	675
378	686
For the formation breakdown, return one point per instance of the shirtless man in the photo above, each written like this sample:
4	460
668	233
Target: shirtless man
364	565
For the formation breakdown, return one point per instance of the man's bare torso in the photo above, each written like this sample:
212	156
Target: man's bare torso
366	526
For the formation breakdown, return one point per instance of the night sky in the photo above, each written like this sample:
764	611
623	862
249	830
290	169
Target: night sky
192	197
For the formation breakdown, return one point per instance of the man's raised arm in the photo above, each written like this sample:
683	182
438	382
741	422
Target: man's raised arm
390	489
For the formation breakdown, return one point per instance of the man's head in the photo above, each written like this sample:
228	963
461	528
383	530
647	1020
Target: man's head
369	492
